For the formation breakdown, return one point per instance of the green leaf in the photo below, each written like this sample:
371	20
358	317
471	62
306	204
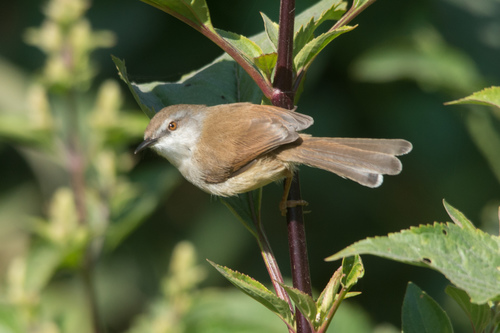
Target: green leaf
352	271
458	217
223	81
193	12
303	302
488	96
271	29
266	64
307	54
479	315
327	297
470	259
258	292
251	52
305	33
322	11
422	314
150	108
244	45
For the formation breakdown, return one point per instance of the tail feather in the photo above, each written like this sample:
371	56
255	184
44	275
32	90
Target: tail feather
362	160
388	146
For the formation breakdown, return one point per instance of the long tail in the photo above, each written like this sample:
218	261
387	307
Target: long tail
363	160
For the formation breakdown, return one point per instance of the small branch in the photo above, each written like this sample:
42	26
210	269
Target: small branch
261	82
209	32
268	255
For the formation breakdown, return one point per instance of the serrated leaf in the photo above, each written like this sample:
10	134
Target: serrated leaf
193	12
470	259
306	55
479	315
271	29
303	302
320	12
352	271
422	314
305	33
222	81
247	47
458	217
488	96
252	52
258	292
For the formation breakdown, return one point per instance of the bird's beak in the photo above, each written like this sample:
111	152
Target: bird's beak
145	144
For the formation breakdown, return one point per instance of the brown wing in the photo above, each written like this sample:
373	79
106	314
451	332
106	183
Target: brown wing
244	131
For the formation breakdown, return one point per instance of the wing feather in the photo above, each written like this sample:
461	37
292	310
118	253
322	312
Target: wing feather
244	132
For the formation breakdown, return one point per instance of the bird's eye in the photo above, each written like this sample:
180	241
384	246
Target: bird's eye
172	126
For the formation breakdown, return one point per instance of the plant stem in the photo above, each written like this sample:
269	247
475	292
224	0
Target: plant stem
283	96
76	167
297	247
268	255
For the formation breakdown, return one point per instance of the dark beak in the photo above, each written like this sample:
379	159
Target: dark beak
145	144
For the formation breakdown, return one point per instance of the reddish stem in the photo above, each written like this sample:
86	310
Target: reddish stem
283	96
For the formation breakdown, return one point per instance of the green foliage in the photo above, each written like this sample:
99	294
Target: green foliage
488	96
480	315
221	82
259	292
245	72
422	314
468	257
76	142
318	313
75	136
194	13
483	126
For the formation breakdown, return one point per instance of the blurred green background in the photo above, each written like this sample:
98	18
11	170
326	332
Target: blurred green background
388	78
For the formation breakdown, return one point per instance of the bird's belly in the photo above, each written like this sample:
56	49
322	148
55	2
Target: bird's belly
261	173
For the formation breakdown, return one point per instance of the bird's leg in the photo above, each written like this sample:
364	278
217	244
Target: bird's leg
285	203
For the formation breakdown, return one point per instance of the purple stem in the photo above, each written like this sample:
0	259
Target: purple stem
283	96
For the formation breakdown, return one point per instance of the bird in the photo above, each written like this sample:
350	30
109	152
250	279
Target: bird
234	148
